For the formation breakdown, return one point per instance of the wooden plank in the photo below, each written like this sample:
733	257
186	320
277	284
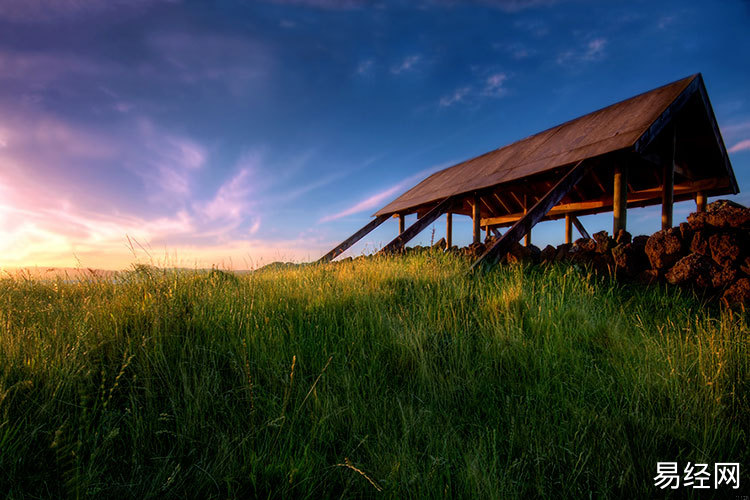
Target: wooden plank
401	223
581	230
604	204
491	204
402	239
598	181
568	229
527	238
658	125
475	217
534	215
700	201
448	230
667	186
500	200
717	135
620	199
519	201
351	240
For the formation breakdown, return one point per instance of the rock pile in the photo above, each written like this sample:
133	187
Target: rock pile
710	252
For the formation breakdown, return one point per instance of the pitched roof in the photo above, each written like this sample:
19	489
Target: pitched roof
613	128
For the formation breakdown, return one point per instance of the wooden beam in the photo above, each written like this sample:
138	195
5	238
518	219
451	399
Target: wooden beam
568	229
636	198
667	186
581	230
402	239
700	201
667	116
527	238
598	181
717	135
475	217
620	199
578	191
518	200
490	202
500	200
343	246
534	215
401	223
448	230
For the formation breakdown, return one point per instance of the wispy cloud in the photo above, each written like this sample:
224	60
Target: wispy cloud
493	85
516	50
230	201
455	97
406	65
740	146
367	204
594	50
665	22
518	5
233	62
378	199
736	130
505	5
167	164
53	10
490	86
323	4
535	27
365	67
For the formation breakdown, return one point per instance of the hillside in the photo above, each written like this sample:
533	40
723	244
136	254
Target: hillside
402	374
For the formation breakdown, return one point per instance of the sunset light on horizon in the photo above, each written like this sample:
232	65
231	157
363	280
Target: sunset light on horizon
236	134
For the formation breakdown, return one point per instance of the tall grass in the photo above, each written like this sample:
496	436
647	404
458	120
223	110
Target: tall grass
402	377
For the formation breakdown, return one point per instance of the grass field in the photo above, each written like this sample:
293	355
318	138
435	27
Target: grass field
400	377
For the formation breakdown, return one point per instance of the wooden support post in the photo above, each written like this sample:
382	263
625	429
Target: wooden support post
700	201
410	232
487	233
339	249
568	229
667	186
527	239
534	215
620	199
475	216
401	223
448	230
581	230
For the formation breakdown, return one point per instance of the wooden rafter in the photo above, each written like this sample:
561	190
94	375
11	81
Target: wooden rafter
581	230
604	204
598	181
534	215
410	232
500	200
351	240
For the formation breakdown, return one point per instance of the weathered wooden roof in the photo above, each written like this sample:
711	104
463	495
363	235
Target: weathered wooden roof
631	123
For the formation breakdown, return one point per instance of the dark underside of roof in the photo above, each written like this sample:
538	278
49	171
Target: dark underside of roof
673	124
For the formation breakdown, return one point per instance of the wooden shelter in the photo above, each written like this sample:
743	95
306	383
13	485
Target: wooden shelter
655	148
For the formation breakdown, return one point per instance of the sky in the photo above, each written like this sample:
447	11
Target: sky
235	133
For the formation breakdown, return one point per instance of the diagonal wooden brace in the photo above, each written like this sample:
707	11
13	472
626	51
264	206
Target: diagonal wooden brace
537	213
341	247
581	230
410	232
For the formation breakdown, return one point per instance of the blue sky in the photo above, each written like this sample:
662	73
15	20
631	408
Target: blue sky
240	133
